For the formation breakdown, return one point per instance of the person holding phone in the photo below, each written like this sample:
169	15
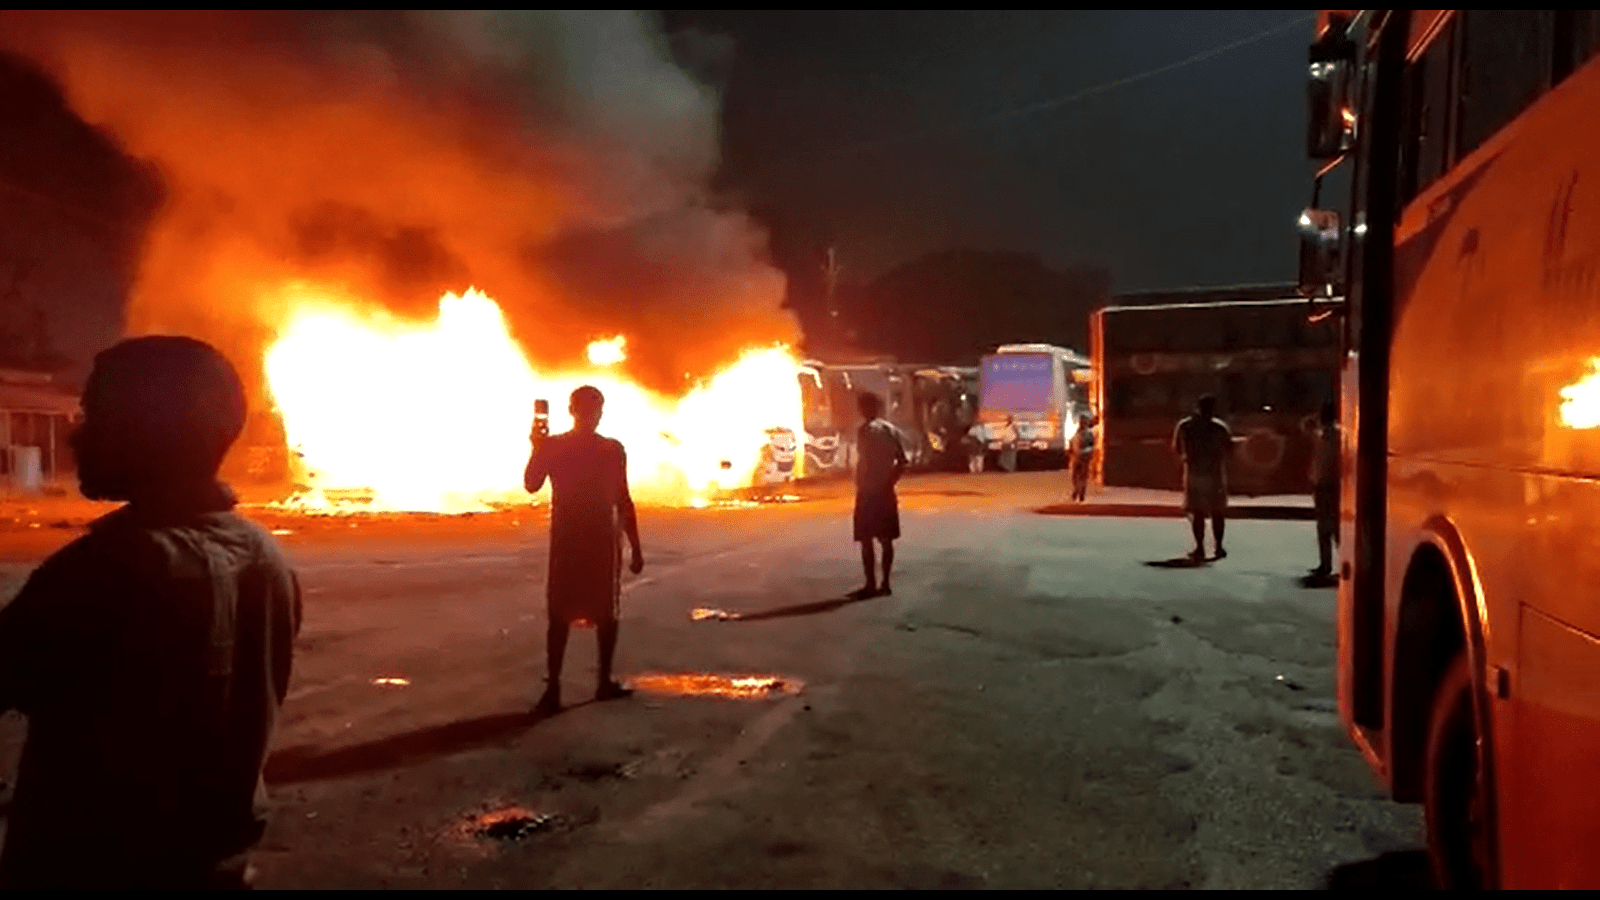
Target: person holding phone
591	510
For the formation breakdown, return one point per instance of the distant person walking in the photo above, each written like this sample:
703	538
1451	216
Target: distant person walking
1204	443
1008	445
1325	488
1081	457
151	655
591	510
880	461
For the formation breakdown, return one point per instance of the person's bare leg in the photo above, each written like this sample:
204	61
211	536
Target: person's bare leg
1327	534
888	566
555	651
1197	526
868	569
1216	534
608	688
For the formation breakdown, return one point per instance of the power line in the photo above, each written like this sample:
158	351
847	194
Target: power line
1057	102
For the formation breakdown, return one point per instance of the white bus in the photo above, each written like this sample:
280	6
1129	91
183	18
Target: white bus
1030	396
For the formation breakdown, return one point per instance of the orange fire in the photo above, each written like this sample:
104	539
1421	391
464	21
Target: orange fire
1580	401
608	352
436	417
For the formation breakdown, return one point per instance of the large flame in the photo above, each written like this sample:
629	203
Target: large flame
608	352
436	417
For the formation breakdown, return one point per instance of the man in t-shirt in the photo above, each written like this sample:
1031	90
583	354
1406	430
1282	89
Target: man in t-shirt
880	461
591	512
1203	442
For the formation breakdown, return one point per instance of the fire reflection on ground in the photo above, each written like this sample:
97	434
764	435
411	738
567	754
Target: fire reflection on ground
705	684
479	834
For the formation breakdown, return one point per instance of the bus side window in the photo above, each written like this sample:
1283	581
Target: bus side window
1577	33
1424	143
1507	61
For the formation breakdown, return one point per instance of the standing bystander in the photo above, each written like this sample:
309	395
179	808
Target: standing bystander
1204	443
880	461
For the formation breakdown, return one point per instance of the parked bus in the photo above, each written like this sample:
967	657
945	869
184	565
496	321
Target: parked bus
1466	253
896	387
947	408
1253	348
1030	398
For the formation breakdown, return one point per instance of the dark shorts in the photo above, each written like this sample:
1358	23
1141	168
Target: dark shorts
877	516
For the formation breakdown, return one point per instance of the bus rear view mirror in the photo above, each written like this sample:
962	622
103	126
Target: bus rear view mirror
1331	123
1321	253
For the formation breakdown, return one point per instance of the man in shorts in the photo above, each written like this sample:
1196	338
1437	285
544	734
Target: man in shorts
1204	442
591	512
880	461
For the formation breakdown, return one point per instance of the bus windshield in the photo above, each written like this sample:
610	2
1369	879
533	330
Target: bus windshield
1018	382
814	403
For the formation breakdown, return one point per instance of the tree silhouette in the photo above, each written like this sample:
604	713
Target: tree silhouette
952	306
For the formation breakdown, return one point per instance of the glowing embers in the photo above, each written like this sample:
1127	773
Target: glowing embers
705	684
1580	401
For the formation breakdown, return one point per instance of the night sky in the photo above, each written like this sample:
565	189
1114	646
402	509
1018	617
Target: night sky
893	134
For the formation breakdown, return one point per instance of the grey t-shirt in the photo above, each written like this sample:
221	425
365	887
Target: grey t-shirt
879	456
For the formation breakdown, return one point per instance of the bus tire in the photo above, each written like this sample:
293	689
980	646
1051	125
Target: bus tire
1454	795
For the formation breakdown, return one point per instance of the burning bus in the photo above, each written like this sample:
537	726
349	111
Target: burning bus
421	257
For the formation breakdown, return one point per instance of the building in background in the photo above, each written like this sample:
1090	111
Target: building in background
36	417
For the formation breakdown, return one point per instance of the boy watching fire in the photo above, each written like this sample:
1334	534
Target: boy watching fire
151	655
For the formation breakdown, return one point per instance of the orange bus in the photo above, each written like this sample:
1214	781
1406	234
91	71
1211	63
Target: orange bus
1466	253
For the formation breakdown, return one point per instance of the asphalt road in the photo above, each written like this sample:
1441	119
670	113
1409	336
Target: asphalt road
1041	703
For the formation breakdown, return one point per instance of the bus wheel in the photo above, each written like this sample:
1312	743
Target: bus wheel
1454	795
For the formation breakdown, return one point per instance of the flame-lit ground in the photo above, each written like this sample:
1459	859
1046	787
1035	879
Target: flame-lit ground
1032	708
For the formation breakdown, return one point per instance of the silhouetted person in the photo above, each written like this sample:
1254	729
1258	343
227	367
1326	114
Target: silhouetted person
1081	457
1204	442
880	461
590	511
1008	445
151	655
1325	488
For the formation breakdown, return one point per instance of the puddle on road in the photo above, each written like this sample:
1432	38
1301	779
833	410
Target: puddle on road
512	824
705	684
480	832
701	613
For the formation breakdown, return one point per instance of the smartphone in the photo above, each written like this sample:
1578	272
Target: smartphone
541	420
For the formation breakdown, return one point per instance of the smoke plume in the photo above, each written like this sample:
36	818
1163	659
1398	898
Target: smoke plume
557	161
